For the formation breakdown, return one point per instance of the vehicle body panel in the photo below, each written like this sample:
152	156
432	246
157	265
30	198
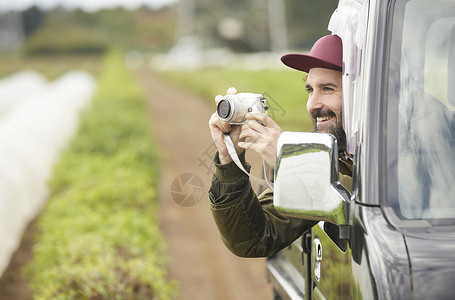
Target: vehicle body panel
387	255
432	257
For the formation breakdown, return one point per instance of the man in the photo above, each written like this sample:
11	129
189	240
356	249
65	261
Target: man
249	225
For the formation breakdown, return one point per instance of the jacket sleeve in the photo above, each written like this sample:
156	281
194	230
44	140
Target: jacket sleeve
249	225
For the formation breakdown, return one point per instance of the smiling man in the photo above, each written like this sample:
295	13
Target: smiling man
323	84
249	225
325	101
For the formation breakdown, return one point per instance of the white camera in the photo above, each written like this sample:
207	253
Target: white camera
233	108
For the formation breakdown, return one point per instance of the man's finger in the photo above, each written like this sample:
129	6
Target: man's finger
256	126
250	135
218	98
216	122
245	145
231	91
261	118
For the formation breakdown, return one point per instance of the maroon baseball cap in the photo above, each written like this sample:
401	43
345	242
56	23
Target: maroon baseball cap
327	53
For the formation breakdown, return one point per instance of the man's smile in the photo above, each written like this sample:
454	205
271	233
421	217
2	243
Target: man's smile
323	119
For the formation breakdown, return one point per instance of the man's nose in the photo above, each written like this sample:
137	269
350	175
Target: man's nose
314	102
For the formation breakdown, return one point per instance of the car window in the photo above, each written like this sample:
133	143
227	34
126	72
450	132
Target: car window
421	110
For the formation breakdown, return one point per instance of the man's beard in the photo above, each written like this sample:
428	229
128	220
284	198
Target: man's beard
336	129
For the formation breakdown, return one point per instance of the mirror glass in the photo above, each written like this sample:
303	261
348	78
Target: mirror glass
306	177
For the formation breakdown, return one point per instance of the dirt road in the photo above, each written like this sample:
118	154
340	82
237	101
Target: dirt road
199	261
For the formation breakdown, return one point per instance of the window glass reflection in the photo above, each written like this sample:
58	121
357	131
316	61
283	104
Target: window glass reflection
426	111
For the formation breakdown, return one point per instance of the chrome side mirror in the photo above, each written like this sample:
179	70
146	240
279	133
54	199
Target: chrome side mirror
306	178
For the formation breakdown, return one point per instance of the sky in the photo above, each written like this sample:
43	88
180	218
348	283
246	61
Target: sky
88	5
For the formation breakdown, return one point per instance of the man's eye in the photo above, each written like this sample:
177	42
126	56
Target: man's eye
309	91
328	89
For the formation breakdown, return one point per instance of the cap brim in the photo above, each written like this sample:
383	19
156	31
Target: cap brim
304	62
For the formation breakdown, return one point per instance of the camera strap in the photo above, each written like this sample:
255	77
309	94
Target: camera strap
231	149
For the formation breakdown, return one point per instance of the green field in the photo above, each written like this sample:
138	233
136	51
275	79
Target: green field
284	90
98	236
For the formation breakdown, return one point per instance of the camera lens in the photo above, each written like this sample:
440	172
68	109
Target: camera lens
223	109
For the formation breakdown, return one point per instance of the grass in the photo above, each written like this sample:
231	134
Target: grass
284	90
98	236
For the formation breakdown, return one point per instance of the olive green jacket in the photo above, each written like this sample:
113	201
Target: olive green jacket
249	225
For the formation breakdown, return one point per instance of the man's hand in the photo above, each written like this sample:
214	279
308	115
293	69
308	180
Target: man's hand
217	130
261	134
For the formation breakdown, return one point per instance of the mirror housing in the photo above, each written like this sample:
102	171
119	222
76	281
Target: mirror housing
306	178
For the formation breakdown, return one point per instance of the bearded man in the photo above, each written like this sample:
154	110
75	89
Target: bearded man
249	224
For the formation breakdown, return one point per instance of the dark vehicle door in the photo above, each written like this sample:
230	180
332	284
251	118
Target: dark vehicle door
331	264
289	270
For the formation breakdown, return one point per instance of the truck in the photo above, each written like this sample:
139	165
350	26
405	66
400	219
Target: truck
393	235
